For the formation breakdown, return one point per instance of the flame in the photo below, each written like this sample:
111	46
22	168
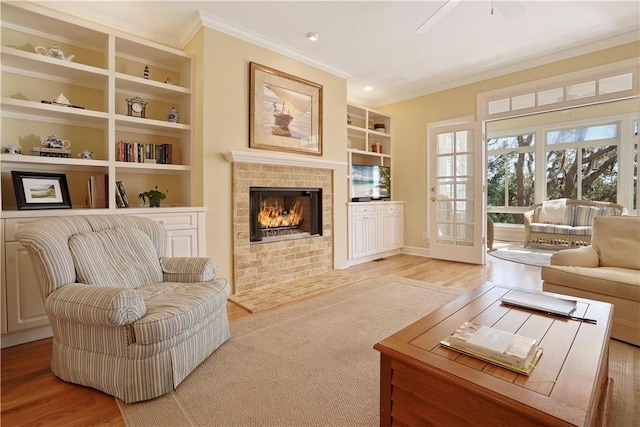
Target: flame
271	216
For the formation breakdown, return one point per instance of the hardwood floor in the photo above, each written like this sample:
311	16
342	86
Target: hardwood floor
31	395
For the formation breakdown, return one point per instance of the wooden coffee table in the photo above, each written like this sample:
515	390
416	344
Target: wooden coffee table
423	383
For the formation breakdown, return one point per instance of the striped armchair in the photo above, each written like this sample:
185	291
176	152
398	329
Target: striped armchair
126	319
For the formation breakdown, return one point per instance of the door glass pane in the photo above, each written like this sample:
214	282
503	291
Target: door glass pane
464	164
464	234
444	210
445	143
445	188
462	142
464	188
464	211
445	165
445	233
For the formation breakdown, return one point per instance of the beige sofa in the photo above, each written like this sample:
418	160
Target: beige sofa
607	270
564	223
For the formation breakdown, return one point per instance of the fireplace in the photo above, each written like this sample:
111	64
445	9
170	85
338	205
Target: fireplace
280	213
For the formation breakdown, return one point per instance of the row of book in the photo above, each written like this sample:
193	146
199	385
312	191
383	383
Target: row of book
138	152
98	192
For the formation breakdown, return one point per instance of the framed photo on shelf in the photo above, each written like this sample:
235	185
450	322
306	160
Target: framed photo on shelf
37	190
285	112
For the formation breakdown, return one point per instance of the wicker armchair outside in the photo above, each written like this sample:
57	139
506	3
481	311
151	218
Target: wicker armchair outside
571	235
490	233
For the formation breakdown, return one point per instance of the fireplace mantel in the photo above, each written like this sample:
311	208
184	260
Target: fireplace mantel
276	159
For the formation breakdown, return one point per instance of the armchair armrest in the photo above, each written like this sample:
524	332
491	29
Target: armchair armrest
188	270
96	305
585	256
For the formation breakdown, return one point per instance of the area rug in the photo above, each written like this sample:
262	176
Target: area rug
518	253
313	364
308	364
266	297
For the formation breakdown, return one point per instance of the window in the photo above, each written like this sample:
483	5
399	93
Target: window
588	153
510	175
587	170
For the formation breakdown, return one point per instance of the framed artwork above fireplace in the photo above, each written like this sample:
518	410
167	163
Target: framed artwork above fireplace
285	112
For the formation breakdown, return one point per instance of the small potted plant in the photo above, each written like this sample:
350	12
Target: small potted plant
154	197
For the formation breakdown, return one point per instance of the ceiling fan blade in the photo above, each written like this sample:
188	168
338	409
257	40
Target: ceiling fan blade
437	16
510	10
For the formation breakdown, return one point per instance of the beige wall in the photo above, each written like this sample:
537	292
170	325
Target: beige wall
410	119
222	106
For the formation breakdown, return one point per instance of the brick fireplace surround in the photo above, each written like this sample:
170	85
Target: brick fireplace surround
261	264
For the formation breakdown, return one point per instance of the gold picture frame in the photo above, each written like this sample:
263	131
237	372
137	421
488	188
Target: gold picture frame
285	112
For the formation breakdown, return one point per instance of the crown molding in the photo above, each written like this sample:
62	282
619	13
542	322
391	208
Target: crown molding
218	24
568	53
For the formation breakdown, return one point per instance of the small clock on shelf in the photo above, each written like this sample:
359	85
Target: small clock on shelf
136	107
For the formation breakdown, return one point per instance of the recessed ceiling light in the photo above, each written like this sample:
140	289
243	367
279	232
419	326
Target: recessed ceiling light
367	88
313	36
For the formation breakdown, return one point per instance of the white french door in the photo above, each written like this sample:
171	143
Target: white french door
456	198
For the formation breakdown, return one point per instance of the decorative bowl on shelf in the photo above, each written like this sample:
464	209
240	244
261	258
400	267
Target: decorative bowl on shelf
11	149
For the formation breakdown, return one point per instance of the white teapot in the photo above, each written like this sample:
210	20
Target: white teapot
53	52
86	154
53	141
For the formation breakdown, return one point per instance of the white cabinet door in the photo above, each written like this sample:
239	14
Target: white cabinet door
183	243
25	308
364	236
358	237
391	227
371	233
363	231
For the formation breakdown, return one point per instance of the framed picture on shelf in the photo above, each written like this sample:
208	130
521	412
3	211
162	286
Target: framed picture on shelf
37	190
285	112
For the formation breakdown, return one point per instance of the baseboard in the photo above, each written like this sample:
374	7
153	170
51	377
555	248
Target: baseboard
373	257
25	336
414	250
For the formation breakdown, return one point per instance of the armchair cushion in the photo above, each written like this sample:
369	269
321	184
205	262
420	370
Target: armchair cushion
123	257
96	305
616	240
175	307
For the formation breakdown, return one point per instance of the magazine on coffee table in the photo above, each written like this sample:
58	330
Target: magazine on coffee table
540	302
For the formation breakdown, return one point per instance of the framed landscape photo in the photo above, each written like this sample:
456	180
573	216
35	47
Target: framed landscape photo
37	190
285	112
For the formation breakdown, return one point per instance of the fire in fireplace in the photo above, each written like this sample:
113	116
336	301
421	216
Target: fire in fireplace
278	213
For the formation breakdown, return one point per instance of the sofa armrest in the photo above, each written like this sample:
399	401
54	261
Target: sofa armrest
188	270
585	256
96	305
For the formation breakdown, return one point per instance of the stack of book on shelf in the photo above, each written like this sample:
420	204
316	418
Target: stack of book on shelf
97	191
138	152
121	196
511	351
50	152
